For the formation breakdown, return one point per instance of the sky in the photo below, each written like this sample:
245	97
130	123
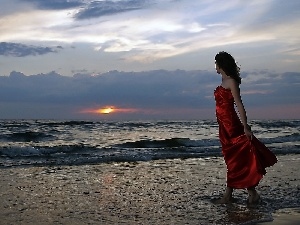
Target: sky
145	59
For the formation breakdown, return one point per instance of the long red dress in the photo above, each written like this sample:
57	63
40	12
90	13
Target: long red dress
246	159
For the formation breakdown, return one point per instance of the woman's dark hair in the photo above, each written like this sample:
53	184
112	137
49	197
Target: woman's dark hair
227	63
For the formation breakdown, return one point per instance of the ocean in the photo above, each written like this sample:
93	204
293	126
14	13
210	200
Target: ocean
47	142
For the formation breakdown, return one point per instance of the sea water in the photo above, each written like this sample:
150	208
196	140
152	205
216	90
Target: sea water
46	142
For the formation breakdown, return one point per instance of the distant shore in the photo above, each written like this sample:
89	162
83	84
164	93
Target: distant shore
177	191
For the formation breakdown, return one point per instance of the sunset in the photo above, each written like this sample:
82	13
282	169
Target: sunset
164	112
110	110
103	110
106	110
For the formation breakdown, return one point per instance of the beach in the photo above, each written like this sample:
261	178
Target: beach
171	191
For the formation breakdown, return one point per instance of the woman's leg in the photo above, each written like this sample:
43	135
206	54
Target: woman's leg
227	197
228	194
253	196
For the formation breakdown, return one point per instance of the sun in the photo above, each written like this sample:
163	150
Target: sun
106	110
109	109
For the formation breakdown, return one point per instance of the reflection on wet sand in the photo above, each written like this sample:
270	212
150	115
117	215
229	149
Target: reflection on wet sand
155	192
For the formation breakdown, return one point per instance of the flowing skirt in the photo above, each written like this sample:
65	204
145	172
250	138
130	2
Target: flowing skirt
245	159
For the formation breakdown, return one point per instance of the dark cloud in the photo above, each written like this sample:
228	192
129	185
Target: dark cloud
160	89
21	50
272	88
155	88
104	8
56	4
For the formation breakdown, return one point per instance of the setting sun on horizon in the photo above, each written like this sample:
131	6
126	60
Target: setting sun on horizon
103	110
106	110
109	109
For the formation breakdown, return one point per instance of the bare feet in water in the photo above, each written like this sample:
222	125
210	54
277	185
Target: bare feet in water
227	197
253	198
223	200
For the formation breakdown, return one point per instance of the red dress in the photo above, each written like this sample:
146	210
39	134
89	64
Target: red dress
246	159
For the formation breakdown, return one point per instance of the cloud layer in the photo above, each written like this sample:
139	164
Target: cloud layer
152	94
142	34
105	8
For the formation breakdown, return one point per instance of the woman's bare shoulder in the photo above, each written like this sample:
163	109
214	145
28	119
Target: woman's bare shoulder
230	83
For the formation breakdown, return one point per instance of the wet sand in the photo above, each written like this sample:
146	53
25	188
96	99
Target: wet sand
285	217
175	191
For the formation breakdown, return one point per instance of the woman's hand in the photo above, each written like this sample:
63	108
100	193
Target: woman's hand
248	132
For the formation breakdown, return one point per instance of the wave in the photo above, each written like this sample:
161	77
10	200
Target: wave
168	143
47	142
19	152
26	136
277	123
68	123
79	154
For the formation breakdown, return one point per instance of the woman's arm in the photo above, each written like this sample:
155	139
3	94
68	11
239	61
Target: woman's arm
235	90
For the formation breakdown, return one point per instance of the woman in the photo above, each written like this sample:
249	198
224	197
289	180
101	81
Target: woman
245	156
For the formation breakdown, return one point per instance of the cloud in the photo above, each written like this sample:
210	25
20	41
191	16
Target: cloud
157	92
105	8
155	29
135	35
267	88
162	32
21	50
149	91
56	4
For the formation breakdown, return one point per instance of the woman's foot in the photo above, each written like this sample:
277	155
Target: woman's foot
227	197
253	198
223	200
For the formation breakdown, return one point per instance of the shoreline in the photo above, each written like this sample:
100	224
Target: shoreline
177	191
289	216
